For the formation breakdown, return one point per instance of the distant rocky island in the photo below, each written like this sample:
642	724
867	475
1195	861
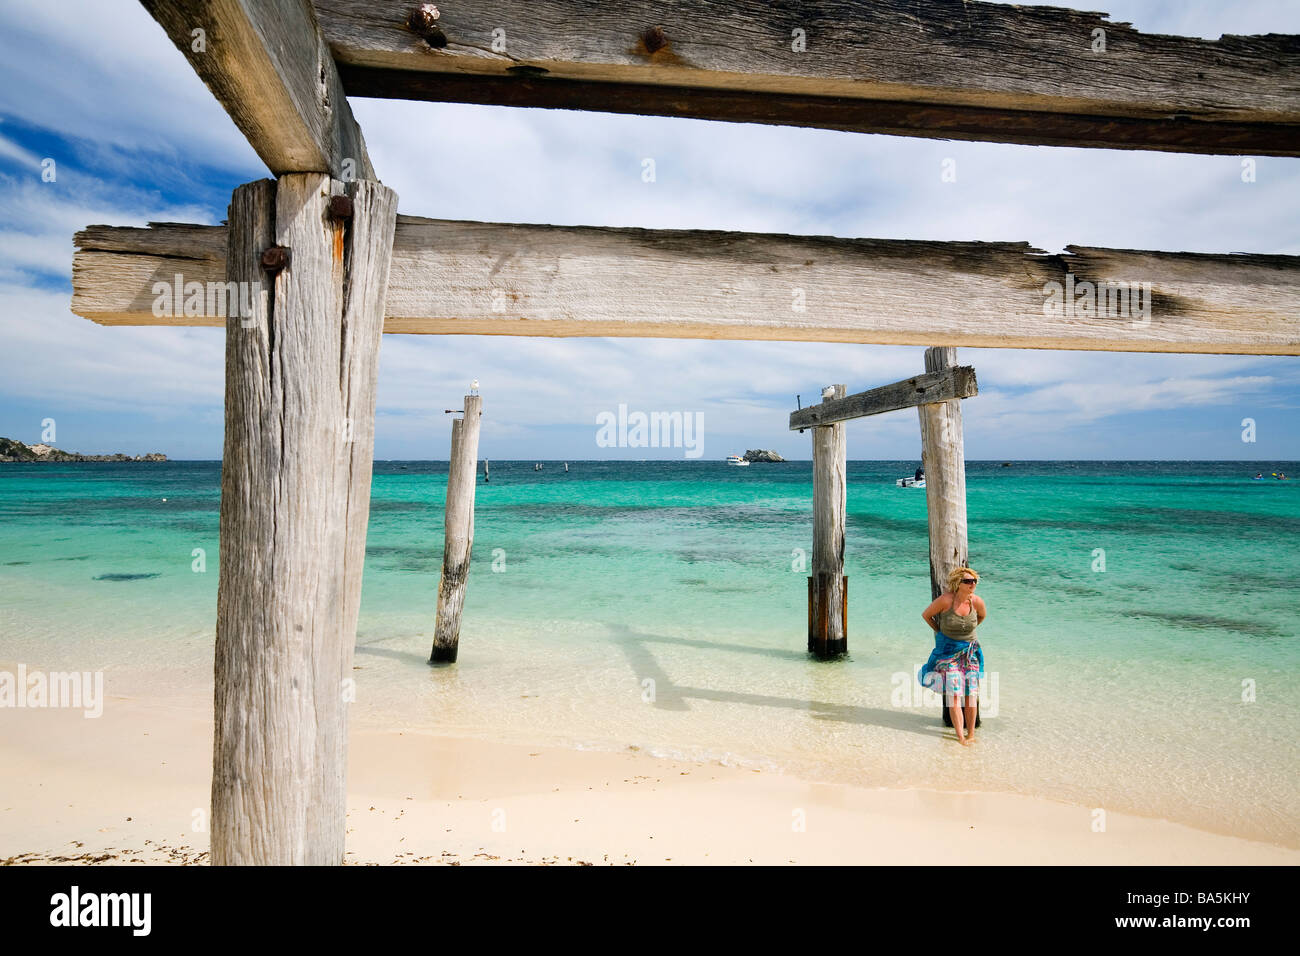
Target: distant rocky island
759	454
13	450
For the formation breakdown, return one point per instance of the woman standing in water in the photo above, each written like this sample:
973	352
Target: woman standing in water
957	662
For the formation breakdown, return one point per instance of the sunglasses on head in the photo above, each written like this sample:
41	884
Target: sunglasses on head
967	580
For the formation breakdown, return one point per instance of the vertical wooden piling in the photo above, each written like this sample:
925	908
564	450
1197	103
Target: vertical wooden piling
295	498
487	470
827	586
458	541
943	456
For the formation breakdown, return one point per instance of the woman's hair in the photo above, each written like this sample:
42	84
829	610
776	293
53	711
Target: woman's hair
956	574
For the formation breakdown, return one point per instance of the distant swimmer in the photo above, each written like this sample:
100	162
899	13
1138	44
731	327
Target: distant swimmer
1258	476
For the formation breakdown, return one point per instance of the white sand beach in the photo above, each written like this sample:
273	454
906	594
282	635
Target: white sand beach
132	787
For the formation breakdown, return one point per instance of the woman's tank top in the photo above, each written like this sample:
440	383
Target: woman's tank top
959	627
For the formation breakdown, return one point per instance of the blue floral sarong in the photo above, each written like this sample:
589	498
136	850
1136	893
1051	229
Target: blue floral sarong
951	668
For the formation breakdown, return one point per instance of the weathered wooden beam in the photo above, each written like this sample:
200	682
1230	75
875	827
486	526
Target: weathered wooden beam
956	382
951	69
475	278
458	526
827	586
268	65
295	498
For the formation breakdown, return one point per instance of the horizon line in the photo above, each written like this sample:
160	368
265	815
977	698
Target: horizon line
715	461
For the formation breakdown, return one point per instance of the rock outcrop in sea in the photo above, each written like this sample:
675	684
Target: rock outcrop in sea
760	454
14	450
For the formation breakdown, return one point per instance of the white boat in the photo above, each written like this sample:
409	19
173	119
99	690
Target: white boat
736	460
910	482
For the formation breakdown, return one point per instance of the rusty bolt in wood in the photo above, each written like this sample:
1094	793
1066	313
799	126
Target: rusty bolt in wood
340	208
423	22
275	258
654	39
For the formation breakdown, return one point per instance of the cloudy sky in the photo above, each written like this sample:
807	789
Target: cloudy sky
136	137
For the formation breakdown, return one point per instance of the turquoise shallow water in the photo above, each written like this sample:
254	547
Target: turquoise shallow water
661	605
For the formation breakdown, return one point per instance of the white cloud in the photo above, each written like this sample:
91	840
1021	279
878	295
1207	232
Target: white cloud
105	72
53	355
11	150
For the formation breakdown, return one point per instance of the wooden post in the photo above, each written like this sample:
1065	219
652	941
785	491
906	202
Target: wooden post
487	471
462	475
943	456
827	587
295	499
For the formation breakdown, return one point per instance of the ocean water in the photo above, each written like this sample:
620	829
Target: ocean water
1142	642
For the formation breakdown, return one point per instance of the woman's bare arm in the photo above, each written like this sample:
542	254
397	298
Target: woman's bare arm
981	611
931	614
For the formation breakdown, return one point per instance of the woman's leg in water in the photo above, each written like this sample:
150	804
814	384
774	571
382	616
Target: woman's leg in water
972	687
954	707
955	710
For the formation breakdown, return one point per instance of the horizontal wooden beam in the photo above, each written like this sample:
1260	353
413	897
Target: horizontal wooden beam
954	382
268	65
474	278
949	69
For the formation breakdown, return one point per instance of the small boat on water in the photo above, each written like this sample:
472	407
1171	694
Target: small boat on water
736	460
914	480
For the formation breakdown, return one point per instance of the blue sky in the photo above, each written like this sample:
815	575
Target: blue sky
136	137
